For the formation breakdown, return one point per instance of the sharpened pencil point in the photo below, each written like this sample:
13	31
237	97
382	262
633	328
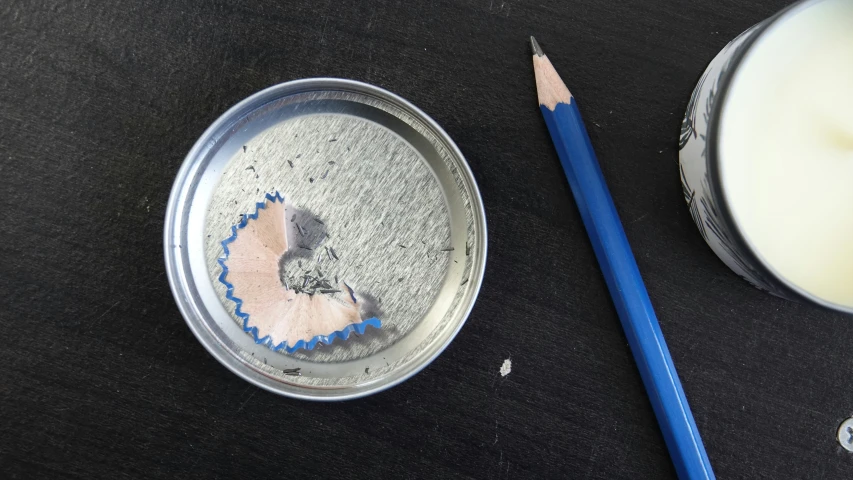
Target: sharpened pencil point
537	50
549	86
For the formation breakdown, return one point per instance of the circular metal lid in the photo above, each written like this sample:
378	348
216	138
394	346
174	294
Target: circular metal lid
396	199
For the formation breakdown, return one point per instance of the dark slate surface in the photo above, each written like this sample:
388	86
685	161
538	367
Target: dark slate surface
100	377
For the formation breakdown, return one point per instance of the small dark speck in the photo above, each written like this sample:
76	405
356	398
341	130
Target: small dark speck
265	360
318	150
463	282
256	175
257	190
400	279
298	155
467	249
447	249
332	162
348	149
455	261
333	140
235	202
318	221
244	149
332	251
367	370
401	245
290	163
208	236
311	179
293	217
324	175
251	167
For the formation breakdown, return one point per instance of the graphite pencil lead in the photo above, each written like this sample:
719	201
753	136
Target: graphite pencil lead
537	50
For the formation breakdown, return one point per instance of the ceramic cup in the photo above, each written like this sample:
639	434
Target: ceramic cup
703	186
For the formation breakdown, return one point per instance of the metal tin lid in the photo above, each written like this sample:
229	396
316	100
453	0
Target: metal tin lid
402	212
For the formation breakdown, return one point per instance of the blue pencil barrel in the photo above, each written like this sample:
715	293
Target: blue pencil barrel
628	291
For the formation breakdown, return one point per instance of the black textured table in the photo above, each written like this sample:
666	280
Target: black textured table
101	378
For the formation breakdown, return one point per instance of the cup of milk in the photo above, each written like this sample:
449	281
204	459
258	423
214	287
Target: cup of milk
766	154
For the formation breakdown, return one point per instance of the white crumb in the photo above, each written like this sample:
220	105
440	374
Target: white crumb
506	367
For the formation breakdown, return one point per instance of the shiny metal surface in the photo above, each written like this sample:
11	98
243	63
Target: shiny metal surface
396	197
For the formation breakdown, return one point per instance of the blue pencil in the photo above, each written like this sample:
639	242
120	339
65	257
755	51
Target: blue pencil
620	271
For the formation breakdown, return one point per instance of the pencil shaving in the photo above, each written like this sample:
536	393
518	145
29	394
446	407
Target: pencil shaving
278	314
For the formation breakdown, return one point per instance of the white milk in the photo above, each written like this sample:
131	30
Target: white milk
786	149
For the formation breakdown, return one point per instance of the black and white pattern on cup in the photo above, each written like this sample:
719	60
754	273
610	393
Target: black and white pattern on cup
692	204
708	221
688	124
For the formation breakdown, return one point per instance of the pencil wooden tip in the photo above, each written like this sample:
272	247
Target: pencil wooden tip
549	86
534	45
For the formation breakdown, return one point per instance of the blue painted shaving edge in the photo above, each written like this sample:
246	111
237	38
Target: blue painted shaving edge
343	334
